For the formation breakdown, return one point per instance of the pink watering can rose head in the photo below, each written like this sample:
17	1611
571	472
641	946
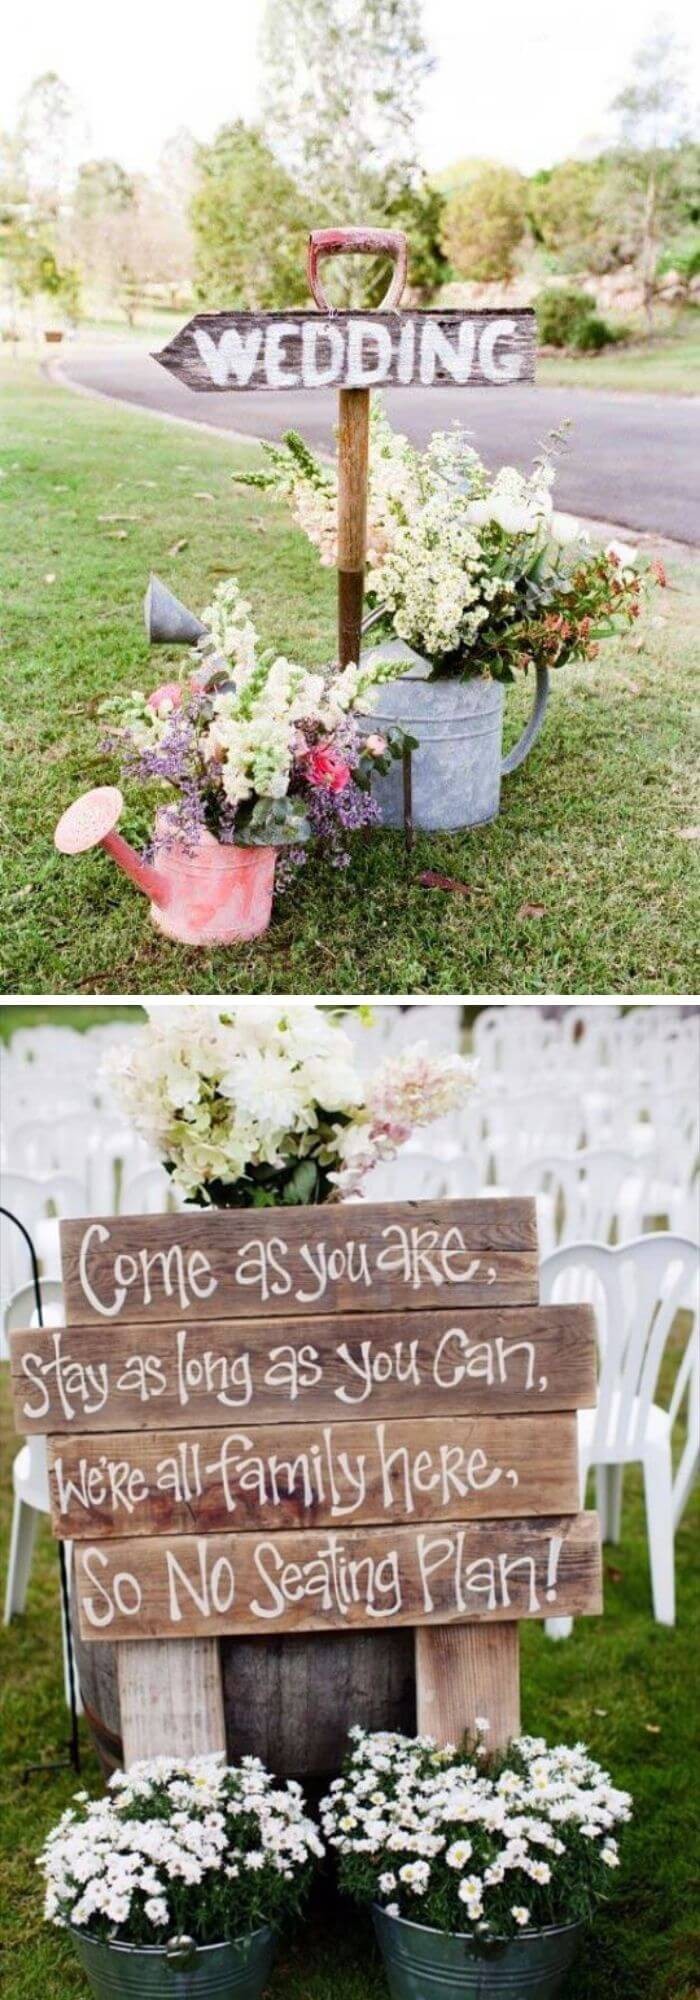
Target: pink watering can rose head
201	893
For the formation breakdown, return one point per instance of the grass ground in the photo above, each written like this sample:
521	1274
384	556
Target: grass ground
666	364
584	883
623	1684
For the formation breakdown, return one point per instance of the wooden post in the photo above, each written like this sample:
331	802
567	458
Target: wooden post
465	1671
171	1696
353	426
353	463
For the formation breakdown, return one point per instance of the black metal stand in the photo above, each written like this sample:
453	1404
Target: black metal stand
73	1758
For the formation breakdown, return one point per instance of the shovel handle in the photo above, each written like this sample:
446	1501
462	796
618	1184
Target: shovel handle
370	242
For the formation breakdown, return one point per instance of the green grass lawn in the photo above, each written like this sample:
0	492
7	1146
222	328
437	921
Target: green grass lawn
623	1684
593	834
666	364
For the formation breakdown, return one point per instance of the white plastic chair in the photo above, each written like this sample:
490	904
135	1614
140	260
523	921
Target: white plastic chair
30	1481
414	1176
589	1196
637	1289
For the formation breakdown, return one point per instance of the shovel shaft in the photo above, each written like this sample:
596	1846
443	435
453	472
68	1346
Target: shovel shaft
353	458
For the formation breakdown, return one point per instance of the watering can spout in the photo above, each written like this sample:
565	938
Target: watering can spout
168	621
90	822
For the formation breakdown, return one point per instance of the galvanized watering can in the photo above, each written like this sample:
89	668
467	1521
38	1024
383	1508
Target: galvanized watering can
423	1964
182	1970
457	769
206	895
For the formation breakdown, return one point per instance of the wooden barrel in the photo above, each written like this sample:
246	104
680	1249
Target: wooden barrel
290	1700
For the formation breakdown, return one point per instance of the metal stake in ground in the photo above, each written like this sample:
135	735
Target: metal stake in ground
353	425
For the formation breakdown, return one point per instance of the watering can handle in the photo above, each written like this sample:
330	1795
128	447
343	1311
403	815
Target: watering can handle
372	242
532	728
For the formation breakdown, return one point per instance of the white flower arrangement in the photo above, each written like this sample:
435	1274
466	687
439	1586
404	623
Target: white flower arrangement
194	1848
463	1842
474	570
252	1106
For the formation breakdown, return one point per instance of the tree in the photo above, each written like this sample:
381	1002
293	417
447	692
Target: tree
483	223
250	224
341	94
419	209
652	118
48	137
564	212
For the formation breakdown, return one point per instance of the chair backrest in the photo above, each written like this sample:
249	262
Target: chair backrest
148	1191
637	1288
20	1308
596	1196
415	1176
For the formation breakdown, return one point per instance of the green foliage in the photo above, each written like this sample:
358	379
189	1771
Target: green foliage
563	211
484	223
682	254
250	224
419	209
567	318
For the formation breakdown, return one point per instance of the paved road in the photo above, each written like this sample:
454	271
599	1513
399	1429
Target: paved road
631	459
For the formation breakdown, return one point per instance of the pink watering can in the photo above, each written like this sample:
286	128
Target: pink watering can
206	894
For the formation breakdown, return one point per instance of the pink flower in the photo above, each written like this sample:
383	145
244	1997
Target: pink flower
168	691
376	745
324	767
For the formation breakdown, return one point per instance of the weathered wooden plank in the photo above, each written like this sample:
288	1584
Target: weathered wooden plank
208	1585
199	1482
353	462
171	1698
466	1673
341	1258
352	350
491	1359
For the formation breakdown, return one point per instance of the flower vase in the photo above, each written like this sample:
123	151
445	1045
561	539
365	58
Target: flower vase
425	1964
457	768
181	1970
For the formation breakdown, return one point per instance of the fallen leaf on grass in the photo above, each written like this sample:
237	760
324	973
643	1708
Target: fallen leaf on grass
600	1711
432	879
653	1728
530	910
50	576
20	895
177	547
613	1575
687	832
116	535
205	496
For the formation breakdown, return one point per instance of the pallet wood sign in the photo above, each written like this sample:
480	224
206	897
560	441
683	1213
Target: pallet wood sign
313	1420
353	352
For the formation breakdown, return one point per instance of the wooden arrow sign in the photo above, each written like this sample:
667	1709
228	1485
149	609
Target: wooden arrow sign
353	350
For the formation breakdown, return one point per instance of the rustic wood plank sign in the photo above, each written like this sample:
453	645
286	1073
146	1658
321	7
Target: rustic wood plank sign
241	1262
314	1420
194	1586
192	1373
442	1468
353	352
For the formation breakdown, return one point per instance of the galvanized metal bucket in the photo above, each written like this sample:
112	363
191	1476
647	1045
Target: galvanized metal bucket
182	1970
458	766
423	1964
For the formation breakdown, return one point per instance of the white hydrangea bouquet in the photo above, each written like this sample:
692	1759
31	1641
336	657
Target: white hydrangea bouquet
475	571
466	1843
255	1106
253	747
194	1849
